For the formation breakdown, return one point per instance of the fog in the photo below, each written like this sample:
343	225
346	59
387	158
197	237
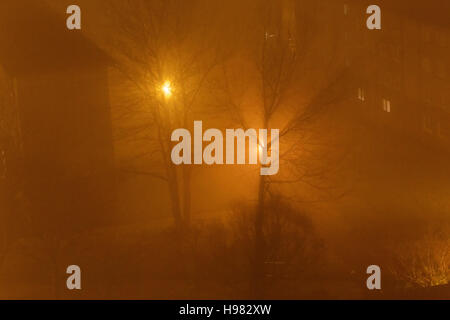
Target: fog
87	177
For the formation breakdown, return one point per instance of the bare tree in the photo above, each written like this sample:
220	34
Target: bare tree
166	50
279	59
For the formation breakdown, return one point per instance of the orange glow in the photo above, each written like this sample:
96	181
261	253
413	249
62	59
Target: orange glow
260	148
167	89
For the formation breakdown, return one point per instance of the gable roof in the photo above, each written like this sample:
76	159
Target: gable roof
34	39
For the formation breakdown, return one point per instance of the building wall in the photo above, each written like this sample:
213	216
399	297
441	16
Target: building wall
68	152
401	72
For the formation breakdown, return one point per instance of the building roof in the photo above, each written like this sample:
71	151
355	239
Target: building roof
430	12
34	39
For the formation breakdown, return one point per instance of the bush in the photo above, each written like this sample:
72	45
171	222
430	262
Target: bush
291	246
424	262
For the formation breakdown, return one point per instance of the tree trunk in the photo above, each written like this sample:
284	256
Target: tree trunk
171	169
257	281
174	194
187	195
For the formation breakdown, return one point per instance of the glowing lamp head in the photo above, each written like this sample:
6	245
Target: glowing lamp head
261	148
167	89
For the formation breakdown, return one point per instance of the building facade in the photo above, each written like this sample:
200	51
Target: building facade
401	73
59	139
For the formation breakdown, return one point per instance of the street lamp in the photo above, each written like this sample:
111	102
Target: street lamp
167	89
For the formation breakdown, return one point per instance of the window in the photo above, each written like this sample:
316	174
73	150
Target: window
426	64
386	105
269	35
439	130
347	62
396	53
442	38
345	9
361	94
291	44
440	69
427	124
428	93
2	164
443	129
426	34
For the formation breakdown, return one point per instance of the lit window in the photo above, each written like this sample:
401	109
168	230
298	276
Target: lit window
269	35
291	44
361	94
386	105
